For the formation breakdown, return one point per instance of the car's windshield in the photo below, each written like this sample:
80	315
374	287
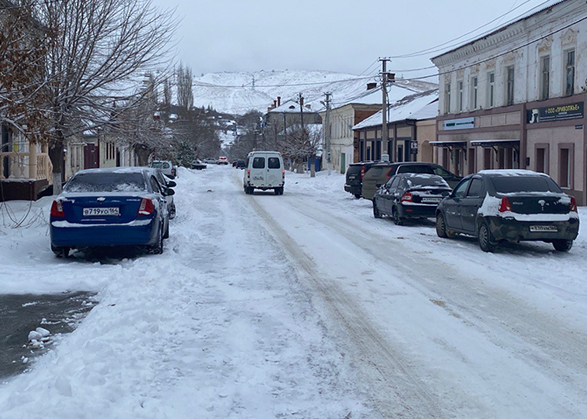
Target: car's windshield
509	184
106	182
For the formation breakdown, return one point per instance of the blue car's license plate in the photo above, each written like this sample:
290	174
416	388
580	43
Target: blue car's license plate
96	212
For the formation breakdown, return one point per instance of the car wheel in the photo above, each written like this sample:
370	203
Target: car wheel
157	248
562	245
166	235
397	220
376	212
60	252
486	242
441	227
172	212
358	195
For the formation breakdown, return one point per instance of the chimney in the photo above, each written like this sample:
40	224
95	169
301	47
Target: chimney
278	100
275	104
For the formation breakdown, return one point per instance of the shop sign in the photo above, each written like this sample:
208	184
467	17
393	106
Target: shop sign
461	123
555	113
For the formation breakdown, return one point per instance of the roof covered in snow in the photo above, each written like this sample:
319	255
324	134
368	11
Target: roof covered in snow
417	107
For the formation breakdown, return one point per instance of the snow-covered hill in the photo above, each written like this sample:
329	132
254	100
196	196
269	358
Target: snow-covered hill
237	93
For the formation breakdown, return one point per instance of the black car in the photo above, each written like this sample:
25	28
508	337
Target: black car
381	172
512	205
410	195
354	177
240	164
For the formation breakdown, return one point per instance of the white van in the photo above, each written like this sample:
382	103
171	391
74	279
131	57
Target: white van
264	170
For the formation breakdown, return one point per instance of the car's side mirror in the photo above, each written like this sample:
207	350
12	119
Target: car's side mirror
171	184
169	192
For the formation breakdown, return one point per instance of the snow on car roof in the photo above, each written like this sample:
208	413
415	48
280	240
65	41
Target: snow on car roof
511	172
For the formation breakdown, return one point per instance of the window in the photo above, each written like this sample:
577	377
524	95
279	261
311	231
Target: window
541	159
461	189
460	96
274	163
259	163
570	73
476	188
447	98
545	77
471	160
510	85
565	168
490	89
474	92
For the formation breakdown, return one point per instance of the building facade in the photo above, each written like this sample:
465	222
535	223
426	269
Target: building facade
516	97
344	148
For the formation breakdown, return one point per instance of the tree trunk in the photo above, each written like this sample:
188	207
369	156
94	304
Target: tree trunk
57	156
313	166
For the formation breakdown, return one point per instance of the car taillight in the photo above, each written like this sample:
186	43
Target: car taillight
146	208
505	205
57	209
249	173
407	197
573	204
362	172
283	174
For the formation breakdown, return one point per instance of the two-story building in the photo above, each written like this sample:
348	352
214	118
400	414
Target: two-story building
515	98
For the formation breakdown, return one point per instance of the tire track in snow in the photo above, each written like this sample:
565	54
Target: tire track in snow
396	392
532	336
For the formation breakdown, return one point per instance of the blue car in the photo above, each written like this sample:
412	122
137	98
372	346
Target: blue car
110	207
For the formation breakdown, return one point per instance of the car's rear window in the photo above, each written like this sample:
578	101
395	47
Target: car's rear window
406	168
425	181
259	163
509	184
355	169
106	182
377	171
273	163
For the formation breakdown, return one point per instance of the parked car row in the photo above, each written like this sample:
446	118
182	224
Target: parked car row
114	207
492	205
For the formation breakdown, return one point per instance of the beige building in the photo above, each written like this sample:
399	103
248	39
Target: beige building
344	141
516	97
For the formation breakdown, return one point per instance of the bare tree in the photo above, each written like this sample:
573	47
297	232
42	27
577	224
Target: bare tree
23	48
300	144
185	94
98	48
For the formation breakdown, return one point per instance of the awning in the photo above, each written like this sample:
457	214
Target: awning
449	144
496	143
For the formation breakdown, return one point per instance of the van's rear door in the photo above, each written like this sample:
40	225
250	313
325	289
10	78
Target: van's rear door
258	170
274	171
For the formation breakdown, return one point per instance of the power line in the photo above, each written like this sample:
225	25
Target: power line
502	53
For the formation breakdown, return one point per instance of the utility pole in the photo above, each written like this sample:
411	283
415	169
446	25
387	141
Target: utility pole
327	133
384	133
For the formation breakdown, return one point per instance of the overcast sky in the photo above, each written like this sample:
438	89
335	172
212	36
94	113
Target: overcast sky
345	36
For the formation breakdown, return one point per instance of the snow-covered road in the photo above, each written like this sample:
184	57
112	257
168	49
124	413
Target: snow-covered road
304	306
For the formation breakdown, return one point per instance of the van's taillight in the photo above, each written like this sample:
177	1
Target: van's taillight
57	209
573	204
249	173
362	172
283	174
407	197
147	207
505	205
